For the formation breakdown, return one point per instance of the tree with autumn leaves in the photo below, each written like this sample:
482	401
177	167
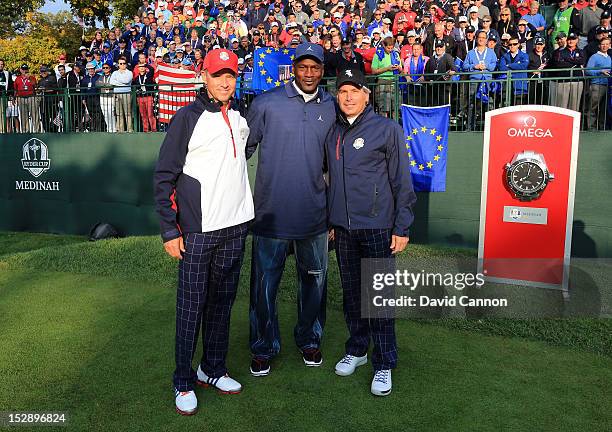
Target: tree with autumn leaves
35	38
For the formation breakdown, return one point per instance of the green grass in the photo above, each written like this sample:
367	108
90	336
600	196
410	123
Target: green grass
88	328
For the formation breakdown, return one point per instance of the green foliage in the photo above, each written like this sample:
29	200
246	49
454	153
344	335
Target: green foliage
35	51
13	15
91	10
43	39
124	10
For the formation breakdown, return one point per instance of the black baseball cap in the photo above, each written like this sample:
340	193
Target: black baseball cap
601	29
440	44
351	76
560	35
605	15
24	66
470	29
572	36
347	41
539	40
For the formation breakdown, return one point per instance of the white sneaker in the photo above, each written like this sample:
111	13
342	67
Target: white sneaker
186	402
225	384
347	365
381	383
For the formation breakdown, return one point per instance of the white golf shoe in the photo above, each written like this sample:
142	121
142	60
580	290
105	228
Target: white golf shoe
347	365
224	384
381	383
186	402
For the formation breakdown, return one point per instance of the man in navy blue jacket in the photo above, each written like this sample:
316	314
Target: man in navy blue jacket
370	210
289	124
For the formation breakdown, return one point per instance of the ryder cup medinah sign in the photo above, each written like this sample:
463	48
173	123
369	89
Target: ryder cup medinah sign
527	198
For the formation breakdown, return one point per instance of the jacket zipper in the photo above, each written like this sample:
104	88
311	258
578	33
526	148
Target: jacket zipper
348	215
229	125
375	200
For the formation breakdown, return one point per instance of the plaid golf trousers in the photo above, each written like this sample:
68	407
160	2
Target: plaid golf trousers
207	285
351	247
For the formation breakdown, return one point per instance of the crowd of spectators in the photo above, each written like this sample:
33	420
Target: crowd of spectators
415	41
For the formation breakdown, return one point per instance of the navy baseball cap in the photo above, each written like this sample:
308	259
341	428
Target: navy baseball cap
539	40
309	49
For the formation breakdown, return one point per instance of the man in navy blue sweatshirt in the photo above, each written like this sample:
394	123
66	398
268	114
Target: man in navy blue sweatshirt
370	210
289	124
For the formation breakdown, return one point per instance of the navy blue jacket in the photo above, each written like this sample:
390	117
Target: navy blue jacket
290	199
370	183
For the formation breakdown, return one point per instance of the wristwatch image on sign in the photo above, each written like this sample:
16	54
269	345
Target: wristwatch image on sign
527	175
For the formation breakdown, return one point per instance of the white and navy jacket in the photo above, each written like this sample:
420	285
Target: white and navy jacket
201	182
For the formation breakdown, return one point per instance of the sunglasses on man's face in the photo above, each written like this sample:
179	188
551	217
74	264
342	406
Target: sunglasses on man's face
121	64
513	44
105	67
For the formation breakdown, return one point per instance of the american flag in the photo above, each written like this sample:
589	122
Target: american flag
177	88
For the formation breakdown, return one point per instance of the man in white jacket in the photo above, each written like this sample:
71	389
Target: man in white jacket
204	201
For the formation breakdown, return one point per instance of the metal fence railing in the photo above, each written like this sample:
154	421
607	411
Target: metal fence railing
69	110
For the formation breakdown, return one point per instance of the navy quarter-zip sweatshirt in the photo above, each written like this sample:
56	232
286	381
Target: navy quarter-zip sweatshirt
290	193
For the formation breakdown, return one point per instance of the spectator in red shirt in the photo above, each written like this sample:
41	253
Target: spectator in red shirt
367	52
25	85
404	20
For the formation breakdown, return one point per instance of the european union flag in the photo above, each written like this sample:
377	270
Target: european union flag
271	68
426	131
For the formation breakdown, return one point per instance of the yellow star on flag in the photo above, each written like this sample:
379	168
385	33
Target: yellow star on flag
440	147
423	129
409	155
285	51
412	163
409	138
262	55
437	158
269	50
262	72
421	167
415	131
276	49
439	138
260	63
292	57
433	131
269	80
429	164
277	83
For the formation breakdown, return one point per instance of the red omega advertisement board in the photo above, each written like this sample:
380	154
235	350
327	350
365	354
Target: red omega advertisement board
527	199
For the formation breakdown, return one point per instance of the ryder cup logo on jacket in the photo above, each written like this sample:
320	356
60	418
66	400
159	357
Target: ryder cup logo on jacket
35	157
358	143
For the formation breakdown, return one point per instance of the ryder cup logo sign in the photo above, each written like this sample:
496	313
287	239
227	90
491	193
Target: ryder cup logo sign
529	130
35	157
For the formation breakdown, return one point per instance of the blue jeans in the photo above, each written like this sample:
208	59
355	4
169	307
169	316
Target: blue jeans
268	263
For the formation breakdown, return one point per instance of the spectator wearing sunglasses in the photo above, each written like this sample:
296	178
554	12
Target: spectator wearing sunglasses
516	61
107	99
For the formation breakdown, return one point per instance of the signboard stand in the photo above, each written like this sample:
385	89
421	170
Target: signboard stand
527	200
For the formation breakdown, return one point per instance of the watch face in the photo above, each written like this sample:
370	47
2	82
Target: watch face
526	177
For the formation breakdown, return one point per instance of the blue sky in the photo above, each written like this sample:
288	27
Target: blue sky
54	6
